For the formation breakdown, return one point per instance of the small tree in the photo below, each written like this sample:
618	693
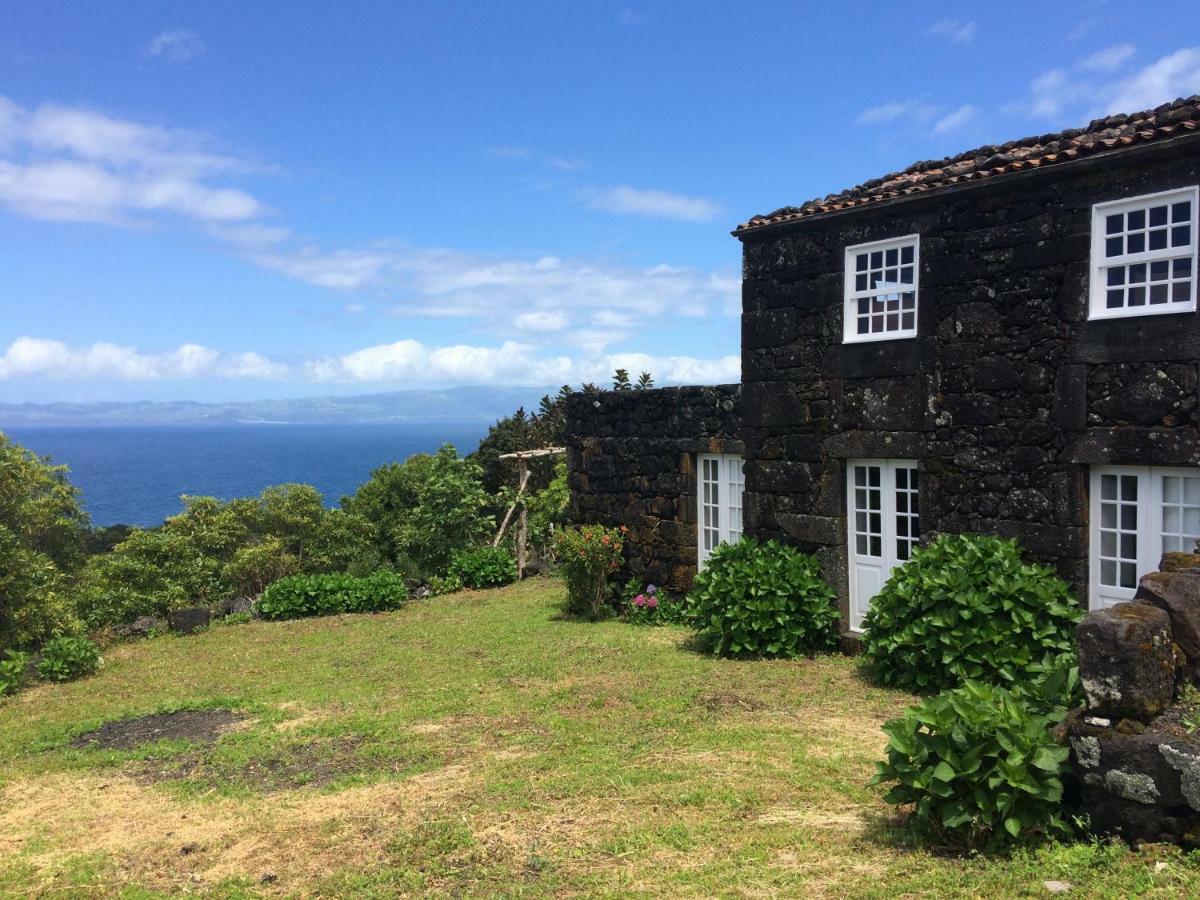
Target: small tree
621	380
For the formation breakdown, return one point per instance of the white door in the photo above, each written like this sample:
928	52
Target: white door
1137	514
884	524
719	502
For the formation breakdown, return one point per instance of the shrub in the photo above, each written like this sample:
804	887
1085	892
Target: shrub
979	767
967	607
68	658
424	509
650	606
12	671
298	596
484	567
767	599
587	556
255	566
445	584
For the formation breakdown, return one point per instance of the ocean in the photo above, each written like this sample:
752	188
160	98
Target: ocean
135	474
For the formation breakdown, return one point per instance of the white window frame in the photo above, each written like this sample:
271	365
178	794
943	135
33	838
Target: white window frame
727	506
1148	527
851	296
1097	295
888	535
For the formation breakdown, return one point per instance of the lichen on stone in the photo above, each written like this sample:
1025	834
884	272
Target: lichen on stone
1131	786
1087	751
1188	767
1097	690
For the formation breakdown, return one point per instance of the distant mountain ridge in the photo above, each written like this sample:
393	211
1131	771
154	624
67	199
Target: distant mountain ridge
461	404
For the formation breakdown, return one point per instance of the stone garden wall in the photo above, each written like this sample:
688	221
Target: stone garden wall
1134	744
631	461
1007	395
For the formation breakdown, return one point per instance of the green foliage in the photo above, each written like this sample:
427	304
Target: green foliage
12	671
343	542
292	514
484	567
424	510
967	608
255	566
445	584
298	596
979	767
68	658
547	427
43	530
587	556
768	599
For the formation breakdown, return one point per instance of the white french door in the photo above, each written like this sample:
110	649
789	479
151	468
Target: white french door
719	502
1137	514
884	524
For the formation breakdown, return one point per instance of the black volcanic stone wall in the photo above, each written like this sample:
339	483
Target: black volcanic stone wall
1008	393
631	461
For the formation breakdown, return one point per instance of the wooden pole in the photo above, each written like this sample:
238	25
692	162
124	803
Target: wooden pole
508	515
523	526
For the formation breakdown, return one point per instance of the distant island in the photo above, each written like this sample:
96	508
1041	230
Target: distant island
460	405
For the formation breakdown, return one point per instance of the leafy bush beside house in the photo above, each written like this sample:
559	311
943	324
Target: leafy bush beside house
769	600
979	767
967	608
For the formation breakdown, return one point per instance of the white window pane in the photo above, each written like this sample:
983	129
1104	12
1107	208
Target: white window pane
1191	491
1108	515
1108	572
1170	485
1172	519
1108	487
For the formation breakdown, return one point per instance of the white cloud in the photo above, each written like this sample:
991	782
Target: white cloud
1058	92
954	30
1175	75
541	321
177	46
955	120
1109	59
654	204
511	297
900	109
407	362
77	165
28	357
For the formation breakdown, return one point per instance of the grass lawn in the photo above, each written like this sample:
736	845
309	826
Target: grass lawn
478	744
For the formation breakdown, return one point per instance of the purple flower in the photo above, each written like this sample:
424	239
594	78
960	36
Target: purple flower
651	590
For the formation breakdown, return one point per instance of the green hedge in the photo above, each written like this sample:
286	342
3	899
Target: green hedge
979	767
967	608
763	600
299	596
484	567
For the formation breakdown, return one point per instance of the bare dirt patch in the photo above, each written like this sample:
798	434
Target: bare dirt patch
202	726
311	764
721	701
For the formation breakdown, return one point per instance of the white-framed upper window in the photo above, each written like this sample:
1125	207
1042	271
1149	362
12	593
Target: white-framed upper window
1144	255
881	290
1138	513
720	485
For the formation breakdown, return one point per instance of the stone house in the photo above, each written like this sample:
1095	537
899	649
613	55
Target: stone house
1005	341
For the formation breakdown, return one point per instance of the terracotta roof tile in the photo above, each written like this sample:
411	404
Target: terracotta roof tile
1111	132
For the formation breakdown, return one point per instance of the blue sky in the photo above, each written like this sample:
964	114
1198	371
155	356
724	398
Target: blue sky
240	200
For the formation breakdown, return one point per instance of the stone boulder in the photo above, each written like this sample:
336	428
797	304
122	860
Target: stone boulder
1178	595
190	620
418	588
1180	562
142	626
1126	661
1143	787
